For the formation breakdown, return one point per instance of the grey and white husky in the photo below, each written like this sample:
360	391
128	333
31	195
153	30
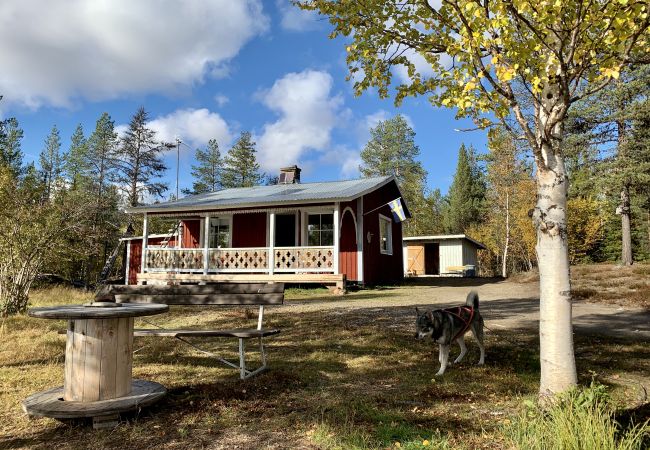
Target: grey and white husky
447	325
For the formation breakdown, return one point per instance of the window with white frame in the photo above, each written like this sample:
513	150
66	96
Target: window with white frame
219	232
385	235
320	229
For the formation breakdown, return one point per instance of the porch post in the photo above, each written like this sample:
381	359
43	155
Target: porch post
145	239
271	242
337	225
128	261
206	243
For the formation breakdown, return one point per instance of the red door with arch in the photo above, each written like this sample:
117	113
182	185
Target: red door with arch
348	246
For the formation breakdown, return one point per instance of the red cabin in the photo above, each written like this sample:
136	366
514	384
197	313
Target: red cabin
339	227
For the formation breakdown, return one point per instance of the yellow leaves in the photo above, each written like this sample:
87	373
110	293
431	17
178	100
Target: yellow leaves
445	101
611	72
506	73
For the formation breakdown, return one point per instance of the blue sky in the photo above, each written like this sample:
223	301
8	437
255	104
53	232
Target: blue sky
205	69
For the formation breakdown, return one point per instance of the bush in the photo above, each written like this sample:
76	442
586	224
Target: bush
582	419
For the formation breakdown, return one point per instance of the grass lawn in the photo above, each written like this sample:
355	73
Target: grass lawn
340	378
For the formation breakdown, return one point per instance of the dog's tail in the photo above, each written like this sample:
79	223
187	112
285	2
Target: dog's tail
472	300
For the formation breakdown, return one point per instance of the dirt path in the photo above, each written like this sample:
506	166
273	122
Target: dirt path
504	305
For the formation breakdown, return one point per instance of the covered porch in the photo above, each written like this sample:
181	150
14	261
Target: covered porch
270	241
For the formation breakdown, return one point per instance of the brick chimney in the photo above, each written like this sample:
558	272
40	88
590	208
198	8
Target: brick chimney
289	175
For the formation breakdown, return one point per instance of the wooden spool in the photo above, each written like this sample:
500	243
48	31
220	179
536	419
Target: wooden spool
98	359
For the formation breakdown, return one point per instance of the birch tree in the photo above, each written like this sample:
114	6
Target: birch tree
519	62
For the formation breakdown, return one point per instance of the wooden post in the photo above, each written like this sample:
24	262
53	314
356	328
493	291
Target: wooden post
145	233
128	262
360	238
271	242
337	228
206	244
98	359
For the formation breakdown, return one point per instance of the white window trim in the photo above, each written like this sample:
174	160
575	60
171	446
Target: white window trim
389	240
224	217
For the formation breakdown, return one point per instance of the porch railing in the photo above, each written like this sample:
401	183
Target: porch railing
239	260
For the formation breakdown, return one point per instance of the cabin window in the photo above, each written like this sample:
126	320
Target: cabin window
219	232
320	229
385	235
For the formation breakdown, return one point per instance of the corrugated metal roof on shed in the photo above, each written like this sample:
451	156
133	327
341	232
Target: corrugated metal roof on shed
271	195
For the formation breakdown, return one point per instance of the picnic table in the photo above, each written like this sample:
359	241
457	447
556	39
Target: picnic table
98	361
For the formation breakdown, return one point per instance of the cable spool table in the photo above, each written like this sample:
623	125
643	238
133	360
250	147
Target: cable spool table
98	361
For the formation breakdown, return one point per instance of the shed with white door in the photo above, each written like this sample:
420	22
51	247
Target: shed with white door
442	255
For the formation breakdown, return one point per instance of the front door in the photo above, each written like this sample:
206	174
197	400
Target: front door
348	247
285	230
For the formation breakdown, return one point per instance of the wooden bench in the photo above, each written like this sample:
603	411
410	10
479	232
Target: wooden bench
221	294
336	282
459	270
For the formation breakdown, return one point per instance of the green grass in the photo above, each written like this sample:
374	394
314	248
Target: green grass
340	379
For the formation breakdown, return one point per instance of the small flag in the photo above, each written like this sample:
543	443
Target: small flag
397	209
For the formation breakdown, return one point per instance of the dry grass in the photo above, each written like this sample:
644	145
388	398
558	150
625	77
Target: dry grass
340	378
612	284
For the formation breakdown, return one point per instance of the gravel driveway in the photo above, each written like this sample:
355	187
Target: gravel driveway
504	305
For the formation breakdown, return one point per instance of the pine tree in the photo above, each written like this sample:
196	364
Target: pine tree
140	163
51	161
207	173
392	150
10	151
466	193
77	164
240	167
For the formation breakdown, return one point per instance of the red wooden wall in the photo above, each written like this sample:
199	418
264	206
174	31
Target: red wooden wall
191	234
377	267
249	230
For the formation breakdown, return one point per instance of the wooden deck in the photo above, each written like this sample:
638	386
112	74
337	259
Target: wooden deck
336	282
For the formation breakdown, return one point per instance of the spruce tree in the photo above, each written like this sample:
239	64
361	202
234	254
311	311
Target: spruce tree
140	164
466	193
11	155
77	164
51	161
240	167
102	146
392	150
207	173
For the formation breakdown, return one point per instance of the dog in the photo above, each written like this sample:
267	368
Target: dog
447	325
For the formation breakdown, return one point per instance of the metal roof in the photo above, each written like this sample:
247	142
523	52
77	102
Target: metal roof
278	194
443	237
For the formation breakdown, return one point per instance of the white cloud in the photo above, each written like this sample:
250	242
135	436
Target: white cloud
221	99
346	159
294	18
307	115
195	127
421	66
59	51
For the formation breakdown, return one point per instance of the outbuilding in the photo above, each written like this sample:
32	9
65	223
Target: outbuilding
443	255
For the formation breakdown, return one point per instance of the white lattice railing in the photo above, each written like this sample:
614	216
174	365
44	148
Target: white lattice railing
238	260
303	259
256	259
190	260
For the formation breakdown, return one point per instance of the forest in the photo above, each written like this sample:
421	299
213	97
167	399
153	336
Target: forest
62	218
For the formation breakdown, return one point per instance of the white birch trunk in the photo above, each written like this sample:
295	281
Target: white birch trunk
558	369
504	267
626	229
